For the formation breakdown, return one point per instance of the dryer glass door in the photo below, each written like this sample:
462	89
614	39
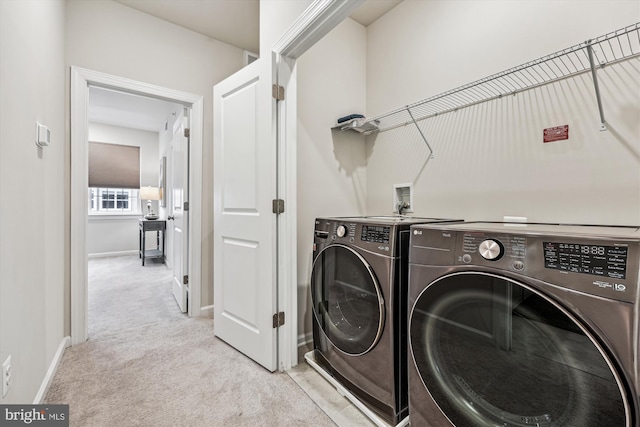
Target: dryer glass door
347	302
493	352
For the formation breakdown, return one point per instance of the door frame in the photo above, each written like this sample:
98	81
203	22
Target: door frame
81	79
311	26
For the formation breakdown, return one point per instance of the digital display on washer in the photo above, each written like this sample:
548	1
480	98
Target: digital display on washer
606	261
375	233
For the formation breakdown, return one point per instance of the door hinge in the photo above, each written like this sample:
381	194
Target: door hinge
186	206
278	319
277	92
278	206
186	132
185	279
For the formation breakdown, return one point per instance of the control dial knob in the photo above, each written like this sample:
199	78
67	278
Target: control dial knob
491	250
341	231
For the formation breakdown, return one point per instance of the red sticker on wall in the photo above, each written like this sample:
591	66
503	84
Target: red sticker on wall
557	133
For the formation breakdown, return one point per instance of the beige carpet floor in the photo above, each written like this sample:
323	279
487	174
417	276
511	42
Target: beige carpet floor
147	364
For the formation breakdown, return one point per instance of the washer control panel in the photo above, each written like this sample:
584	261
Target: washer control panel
375	233
375	237
344	229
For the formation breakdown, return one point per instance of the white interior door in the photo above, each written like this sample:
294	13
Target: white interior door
179	218
244	225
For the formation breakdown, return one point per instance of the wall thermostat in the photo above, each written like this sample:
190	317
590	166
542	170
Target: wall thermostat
43	135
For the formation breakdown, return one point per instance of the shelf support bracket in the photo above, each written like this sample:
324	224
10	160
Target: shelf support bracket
594	74
431	156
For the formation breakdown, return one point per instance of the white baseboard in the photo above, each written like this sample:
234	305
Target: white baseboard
206	310
304	339
53	368
110	254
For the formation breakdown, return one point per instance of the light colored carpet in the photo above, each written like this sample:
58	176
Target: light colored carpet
147	364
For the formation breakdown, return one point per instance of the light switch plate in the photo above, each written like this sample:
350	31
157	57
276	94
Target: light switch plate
43	135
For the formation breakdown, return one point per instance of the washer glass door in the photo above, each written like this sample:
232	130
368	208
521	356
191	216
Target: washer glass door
347	302
493	352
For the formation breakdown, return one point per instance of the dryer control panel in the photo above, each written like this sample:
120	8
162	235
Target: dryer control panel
598	265
598	260
495	247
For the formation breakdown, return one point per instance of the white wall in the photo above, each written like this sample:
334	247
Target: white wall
106	36
490	160
117	233
276	17
32	196
331	164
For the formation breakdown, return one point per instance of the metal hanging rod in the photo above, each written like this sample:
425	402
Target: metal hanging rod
586	57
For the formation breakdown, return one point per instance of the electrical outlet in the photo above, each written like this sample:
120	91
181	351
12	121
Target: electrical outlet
6	376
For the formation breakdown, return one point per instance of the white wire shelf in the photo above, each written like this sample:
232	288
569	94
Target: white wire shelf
586	57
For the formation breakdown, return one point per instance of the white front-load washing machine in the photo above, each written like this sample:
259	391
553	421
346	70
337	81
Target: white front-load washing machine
523	325
358	290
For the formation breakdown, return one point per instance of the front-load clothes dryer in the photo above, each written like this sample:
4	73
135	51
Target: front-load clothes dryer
523	325
358	287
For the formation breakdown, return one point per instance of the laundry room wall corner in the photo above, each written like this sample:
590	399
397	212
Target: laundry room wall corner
331	167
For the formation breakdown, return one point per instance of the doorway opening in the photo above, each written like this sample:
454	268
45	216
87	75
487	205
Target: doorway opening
82	81
140	139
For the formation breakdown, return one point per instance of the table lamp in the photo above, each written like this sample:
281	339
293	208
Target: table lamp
150	193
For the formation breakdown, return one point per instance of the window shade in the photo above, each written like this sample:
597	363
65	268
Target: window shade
114	166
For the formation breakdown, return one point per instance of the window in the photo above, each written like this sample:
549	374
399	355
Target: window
114	165
114	179
113	200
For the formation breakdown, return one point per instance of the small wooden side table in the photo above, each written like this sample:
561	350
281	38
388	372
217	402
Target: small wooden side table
158	226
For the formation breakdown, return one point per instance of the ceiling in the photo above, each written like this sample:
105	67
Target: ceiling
115	108
371	10
236	22
232	21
